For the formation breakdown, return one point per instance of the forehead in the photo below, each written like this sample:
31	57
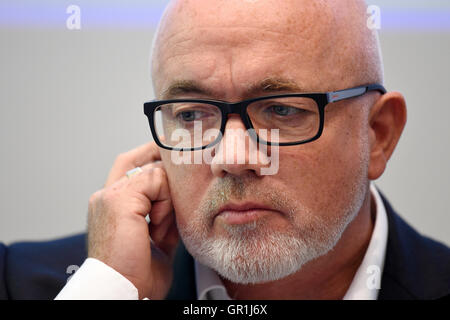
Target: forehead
245	41
289	15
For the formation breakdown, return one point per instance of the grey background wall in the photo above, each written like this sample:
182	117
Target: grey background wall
71	101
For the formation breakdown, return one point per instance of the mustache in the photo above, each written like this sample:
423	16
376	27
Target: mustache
243	188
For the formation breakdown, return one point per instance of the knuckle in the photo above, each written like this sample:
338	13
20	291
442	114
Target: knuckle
122	158
158	164
155	176
139	203
94	197
108	195
159	173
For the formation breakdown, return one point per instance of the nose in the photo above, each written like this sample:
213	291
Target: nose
237	153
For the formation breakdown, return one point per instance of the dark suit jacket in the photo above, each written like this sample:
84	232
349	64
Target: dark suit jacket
416	267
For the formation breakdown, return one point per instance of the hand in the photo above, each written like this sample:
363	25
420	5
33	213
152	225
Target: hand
147	154
118	233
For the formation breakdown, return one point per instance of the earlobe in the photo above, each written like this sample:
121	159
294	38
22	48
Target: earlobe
387	119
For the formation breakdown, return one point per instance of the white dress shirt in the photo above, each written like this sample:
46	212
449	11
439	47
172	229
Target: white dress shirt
96	280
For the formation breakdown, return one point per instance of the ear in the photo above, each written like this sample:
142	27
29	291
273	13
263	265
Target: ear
387	118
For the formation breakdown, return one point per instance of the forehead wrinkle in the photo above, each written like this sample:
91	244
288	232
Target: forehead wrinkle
181	87
268	85
225	39
275	84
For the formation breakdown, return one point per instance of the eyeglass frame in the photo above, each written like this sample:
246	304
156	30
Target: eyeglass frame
226	108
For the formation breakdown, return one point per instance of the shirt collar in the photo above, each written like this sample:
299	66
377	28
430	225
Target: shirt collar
365	284
367	280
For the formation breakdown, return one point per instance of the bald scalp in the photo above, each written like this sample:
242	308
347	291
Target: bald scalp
330	35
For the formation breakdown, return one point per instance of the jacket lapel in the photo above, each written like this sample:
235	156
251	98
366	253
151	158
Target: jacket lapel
416	267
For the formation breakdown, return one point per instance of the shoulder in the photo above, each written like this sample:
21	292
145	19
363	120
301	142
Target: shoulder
416	266
39	270
3	293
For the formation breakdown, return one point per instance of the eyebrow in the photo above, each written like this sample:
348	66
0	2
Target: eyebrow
267	86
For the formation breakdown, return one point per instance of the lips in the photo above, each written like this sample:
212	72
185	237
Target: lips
247	212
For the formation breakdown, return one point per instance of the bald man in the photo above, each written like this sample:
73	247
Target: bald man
299	84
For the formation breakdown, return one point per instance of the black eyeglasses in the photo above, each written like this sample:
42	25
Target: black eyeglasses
283	120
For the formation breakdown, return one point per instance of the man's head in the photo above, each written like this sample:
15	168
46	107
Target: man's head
219	49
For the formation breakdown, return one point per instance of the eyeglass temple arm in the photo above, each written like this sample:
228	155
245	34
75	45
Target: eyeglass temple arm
354	92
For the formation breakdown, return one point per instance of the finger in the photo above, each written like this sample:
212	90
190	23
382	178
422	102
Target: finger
137	157
170	240
144	154
158	232
160	210
156	164
165	236
152	183
125	179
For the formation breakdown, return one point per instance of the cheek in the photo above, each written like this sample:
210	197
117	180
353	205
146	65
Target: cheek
187	185
322	174
305	174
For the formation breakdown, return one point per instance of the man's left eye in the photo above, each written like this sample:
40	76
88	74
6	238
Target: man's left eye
284	110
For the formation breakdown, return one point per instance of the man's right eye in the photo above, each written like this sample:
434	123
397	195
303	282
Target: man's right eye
187	115
191	115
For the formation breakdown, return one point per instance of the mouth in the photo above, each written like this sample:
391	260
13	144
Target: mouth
247	212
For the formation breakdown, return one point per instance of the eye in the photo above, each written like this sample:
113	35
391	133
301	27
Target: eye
281	110
188	115
191	115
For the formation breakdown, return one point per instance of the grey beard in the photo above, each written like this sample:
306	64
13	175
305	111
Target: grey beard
253	253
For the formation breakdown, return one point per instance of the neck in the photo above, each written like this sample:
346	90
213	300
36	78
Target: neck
327	277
